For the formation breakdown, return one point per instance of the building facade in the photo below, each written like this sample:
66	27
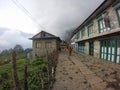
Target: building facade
43	43
99	34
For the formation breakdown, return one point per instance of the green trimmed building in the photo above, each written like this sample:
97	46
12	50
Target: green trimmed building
99	34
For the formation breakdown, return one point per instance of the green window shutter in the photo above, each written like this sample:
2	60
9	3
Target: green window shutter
108	50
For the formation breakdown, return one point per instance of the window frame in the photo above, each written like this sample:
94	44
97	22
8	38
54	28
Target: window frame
38	44
78	35
101	30
103	23
89	26
112	46
81	47
83	33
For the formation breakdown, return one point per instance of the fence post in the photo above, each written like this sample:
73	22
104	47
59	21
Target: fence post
15	76
25	78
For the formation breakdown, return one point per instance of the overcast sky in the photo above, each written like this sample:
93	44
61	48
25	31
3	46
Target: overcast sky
21	19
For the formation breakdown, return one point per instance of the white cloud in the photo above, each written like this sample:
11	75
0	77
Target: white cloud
56	17
13	17
12	37
60	15
4	43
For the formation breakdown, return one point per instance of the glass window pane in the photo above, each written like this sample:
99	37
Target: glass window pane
102	49
83	33
90	30
101	31
104	29
109	57
112	58
118	51
104	24
118	59
101	25
113	50
104	56
109	50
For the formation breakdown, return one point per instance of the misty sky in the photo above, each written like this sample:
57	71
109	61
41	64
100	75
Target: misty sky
21	19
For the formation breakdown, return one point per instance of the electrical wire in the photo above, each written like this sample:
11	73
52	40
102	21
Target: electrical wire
20	6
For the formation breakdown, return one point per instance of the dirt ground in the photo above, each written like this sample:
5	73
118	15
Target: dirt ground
83	72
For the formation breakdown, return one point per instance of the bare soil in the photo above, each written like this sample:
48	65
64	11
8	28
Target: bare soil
84	72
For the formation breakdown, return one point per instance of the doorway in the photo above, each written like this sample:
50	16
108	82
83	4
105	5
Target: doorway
91	48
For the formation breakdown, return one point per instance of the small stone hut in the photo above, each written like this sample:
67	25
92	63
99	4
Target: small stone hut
44	42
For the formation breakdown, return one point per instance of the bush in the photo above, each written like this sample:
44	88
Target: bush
5	75
7	85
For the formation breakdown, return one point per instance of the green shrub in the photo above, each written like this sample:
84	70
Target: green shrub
5	75
7	85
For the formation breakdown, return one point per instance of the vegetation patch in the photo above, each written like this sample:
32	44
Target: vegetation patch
40	73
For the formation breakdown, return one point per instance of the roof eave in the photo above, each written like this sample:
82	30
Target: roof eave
101	8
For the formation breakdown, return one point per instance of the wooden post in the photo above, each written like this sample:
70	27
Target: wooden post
25	78
41	77
48	68
15	76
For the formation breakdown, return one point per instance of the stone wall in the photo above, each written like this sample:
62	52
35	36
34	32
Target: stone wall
96	48
113	18
95	27
44	47
87	47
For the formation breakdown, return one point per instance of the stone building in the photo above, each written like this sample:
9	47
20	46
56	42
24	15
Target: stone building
44	42
99	34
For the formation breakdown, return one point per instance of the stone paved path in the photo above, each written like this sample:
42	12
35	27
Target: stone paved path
82	72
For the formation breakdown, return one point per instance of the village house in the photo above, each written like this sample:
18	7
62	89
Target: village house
99	34
43	43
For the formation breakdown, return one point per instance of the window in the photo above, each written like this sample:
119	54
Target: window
90	29
118	14
81	47
110	50
83	33
78	35
104	23
48	45
43	34
103	50
38	45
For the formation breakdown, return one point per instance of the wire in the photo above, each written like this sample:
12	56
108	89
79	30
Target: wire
20	6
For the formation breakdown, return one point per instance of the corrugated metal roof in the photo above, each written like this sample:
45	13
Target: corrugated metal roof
44	35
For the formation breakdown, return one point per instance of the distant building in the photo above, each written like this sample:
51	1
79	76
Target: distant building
99	34
44	42
63	45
